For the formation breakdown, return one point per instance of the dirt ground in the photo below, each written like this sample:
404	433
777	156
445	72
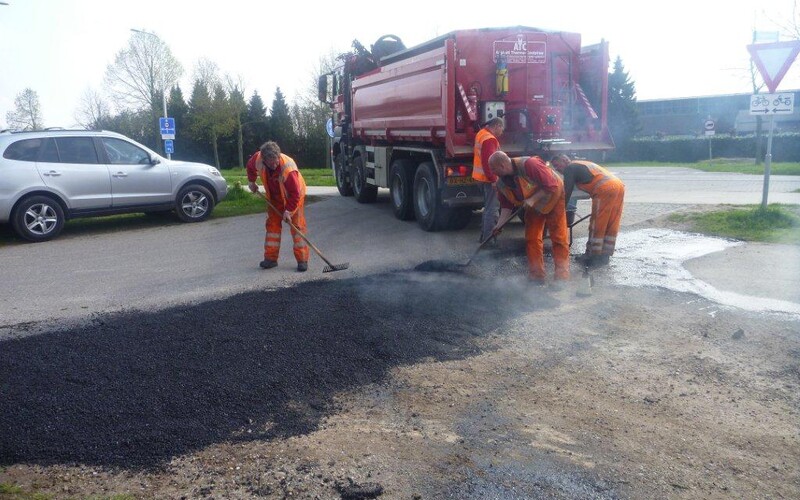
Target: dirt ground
411	385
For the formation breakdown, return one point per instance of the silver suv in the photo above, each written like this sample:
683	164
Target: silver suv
49	176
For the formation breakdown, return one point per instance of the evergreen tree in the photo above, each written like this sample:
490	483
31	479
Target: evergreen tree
623	117
255	128
312	138
199	120
239	110
137	125
281	127
222	122
178	109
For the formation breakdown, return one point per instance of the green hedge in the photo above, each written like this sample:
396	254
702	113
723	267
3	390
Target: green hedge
785	148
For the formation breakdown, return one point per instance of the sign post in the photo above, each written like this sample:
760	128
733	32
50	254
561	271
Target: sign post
709	131
773	61
167	126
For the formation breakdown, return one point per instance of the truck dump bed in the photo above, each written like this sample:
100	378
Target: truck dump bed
551	93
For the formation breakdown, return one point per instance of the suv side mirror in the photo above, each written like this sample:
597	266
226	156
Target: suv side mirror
154	161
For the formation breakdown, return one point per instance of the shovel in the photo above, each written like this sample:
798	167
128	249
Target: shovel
484	242
327	269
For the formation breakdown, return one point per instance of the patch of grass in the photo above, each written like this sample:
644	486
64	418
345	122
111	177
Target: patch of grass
312	176
13	492
776	224
735	165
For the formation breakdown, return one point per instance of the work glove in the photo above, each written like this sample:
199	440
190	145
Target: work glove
253	187
287	216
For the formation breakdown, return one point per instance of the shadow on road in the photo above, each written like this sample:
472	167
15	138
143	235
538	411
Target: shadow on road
138	388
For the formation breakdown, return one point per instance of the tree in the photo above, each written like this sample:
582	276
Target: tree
177	108
623	118
141	73
199	117
223	119
255	129
27	113
281	123
239	110
92	110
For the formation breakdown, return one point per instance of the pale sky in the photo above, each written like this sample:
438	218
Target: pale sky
60	48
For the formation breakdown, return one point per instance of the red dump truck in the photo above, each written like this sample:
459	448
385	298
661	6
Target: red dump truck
406	118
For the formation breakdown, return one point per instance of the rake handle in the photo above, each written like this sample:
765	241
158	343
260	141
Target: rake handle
270	205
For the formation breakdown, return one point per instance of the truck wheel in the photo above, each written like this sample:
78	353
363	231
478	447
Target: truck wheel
431	215
363	192
401	188
342	182
38	218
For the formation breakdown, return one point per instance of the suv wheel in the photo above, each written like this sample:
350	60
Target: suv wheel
38	218
194	203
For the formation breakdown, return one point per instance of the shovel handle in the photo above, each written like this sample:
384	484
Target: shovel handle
270	205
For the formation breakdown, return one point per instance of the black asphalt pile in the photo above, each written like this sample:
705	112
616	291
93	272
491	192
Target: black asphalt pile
138	388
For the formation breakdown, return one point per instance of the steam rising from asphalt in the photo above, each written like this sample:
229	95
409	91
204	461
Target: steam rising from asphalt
654	257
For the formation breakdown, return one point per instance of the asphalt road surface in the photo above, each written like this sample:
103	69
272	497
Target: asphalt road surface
77	275
210	377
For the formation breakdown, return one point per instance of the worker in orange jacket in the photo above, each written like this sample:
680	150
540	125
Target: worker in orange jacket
529	182
486	143
607	193
286	191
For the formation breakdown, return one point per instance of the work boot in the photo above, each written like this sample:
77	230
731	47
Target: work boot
302	267
602	260
585	260
268	264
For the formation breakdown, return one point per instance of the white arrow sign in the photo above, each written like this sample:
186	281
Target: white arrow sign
772	104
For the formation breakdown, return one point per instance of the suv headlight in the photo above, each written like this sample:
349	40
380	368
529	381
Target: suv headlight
214	171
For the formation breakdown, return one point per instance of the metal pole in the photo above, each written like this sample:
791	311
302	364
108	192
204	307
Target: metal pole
767	163
164	96
710	157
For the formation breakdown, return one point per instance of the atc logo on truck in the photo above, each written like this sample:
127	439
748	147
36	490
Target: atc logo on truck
520	51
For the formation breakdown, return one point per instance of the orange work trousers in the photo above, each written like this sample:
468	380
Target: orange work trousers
272	242
606	216
556	224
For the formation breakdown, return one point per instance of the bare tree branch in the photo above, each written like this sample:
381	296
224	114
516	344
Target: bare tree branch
141	72
27	114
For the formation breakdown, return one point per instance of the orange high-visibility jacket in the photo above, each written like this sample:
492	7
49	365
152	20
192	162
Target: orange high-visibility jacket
286	166
477	164
599	176
528	188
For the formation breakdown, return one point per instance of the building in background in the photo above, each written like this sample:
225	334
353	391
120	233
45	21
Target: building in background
686	116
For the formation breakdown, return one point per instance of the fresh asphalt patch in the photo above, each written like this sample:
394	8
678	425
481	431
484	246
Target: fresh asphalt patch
137	388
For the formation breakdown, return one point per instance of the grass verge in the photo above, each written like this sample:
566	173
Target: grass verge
12	492
735	165
776	224
312	176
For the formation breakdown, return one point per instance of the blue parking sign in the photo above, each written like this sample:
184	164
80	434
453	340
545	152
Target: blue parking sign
169	147
167	126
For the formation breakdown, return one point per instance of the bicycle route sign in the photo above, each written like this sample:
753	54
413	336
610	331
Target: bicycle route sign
772	104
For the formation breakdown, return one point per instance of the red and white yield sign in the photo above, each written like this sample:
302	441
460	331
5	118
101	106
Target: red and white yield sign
773	60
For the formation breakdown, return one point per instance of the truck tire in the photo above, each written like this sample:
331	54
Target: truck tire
363	192
342	182
431	215
401	189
